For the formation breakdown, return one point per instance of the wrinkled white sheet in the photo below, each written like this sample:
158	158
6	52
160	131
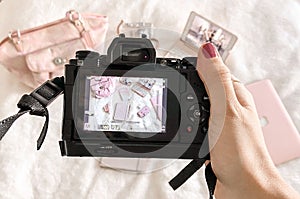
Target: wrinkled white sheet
268	47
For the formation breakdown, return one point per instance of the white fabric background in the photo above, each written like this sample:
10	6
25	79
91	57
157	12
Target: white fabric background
268	47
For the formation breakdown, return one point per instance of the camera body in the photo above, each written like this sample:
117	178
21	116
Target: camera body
129	103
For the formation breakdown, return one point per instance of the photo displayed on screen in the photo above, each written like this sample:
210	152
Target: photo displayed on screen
127	104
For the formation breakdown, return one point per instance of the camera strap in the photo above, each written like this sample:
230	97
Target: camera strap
36	104
190	169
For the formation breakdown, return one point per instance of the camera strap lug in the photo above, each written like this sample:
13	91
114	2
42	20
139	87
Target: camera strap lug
36	104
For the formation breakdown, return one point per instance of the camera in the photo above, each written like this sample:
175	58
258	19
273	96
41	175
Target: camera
130	103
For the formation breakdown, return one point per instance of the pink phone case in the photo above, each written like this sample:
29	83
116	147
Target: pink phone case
121	111
124	93
143	112
281	136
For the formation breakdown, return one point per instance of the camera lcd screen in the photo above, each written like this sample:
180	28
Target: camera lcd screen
125	104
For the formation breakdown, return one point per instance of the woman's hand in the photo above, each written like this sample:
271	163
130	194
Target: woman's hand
239	156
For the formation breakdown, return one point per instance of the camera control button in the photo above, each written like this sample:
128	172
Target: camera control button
192	119
205	97
189	129
164	62
190	97
194	112
204	112
192	108
204	129
197	114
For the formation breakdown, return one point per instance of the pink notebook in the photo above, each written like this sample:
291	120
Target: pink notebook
281	136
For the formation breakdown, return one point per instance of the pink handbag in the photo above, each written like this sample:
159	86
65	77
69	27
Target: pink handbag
38	54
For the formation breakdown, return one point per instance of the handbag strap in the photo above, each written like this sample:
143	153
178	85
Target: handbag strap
36	104
15	38
73	16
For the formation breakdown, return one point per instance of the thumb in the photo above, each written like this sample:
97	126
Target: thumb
214	73
218	83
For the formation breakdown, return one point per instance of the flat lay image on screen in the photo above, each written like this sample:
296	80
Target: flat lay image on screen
125	104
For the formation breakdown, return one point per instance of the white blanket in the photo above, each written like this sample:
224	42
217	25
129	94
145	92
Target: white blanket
267	47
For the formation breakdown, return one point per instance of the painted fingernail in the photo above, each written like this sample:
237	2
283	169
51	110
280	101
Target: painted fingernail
209	50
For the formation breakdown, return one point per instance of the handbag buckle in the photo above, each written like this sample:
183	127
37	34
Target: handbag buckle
15	37
76	18
74	15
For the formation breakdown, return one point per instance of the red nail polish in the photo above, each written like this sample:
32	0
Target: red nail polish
209	50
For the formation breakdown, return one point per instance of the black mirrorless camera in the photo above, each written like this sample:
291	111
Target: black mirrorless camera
129	103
